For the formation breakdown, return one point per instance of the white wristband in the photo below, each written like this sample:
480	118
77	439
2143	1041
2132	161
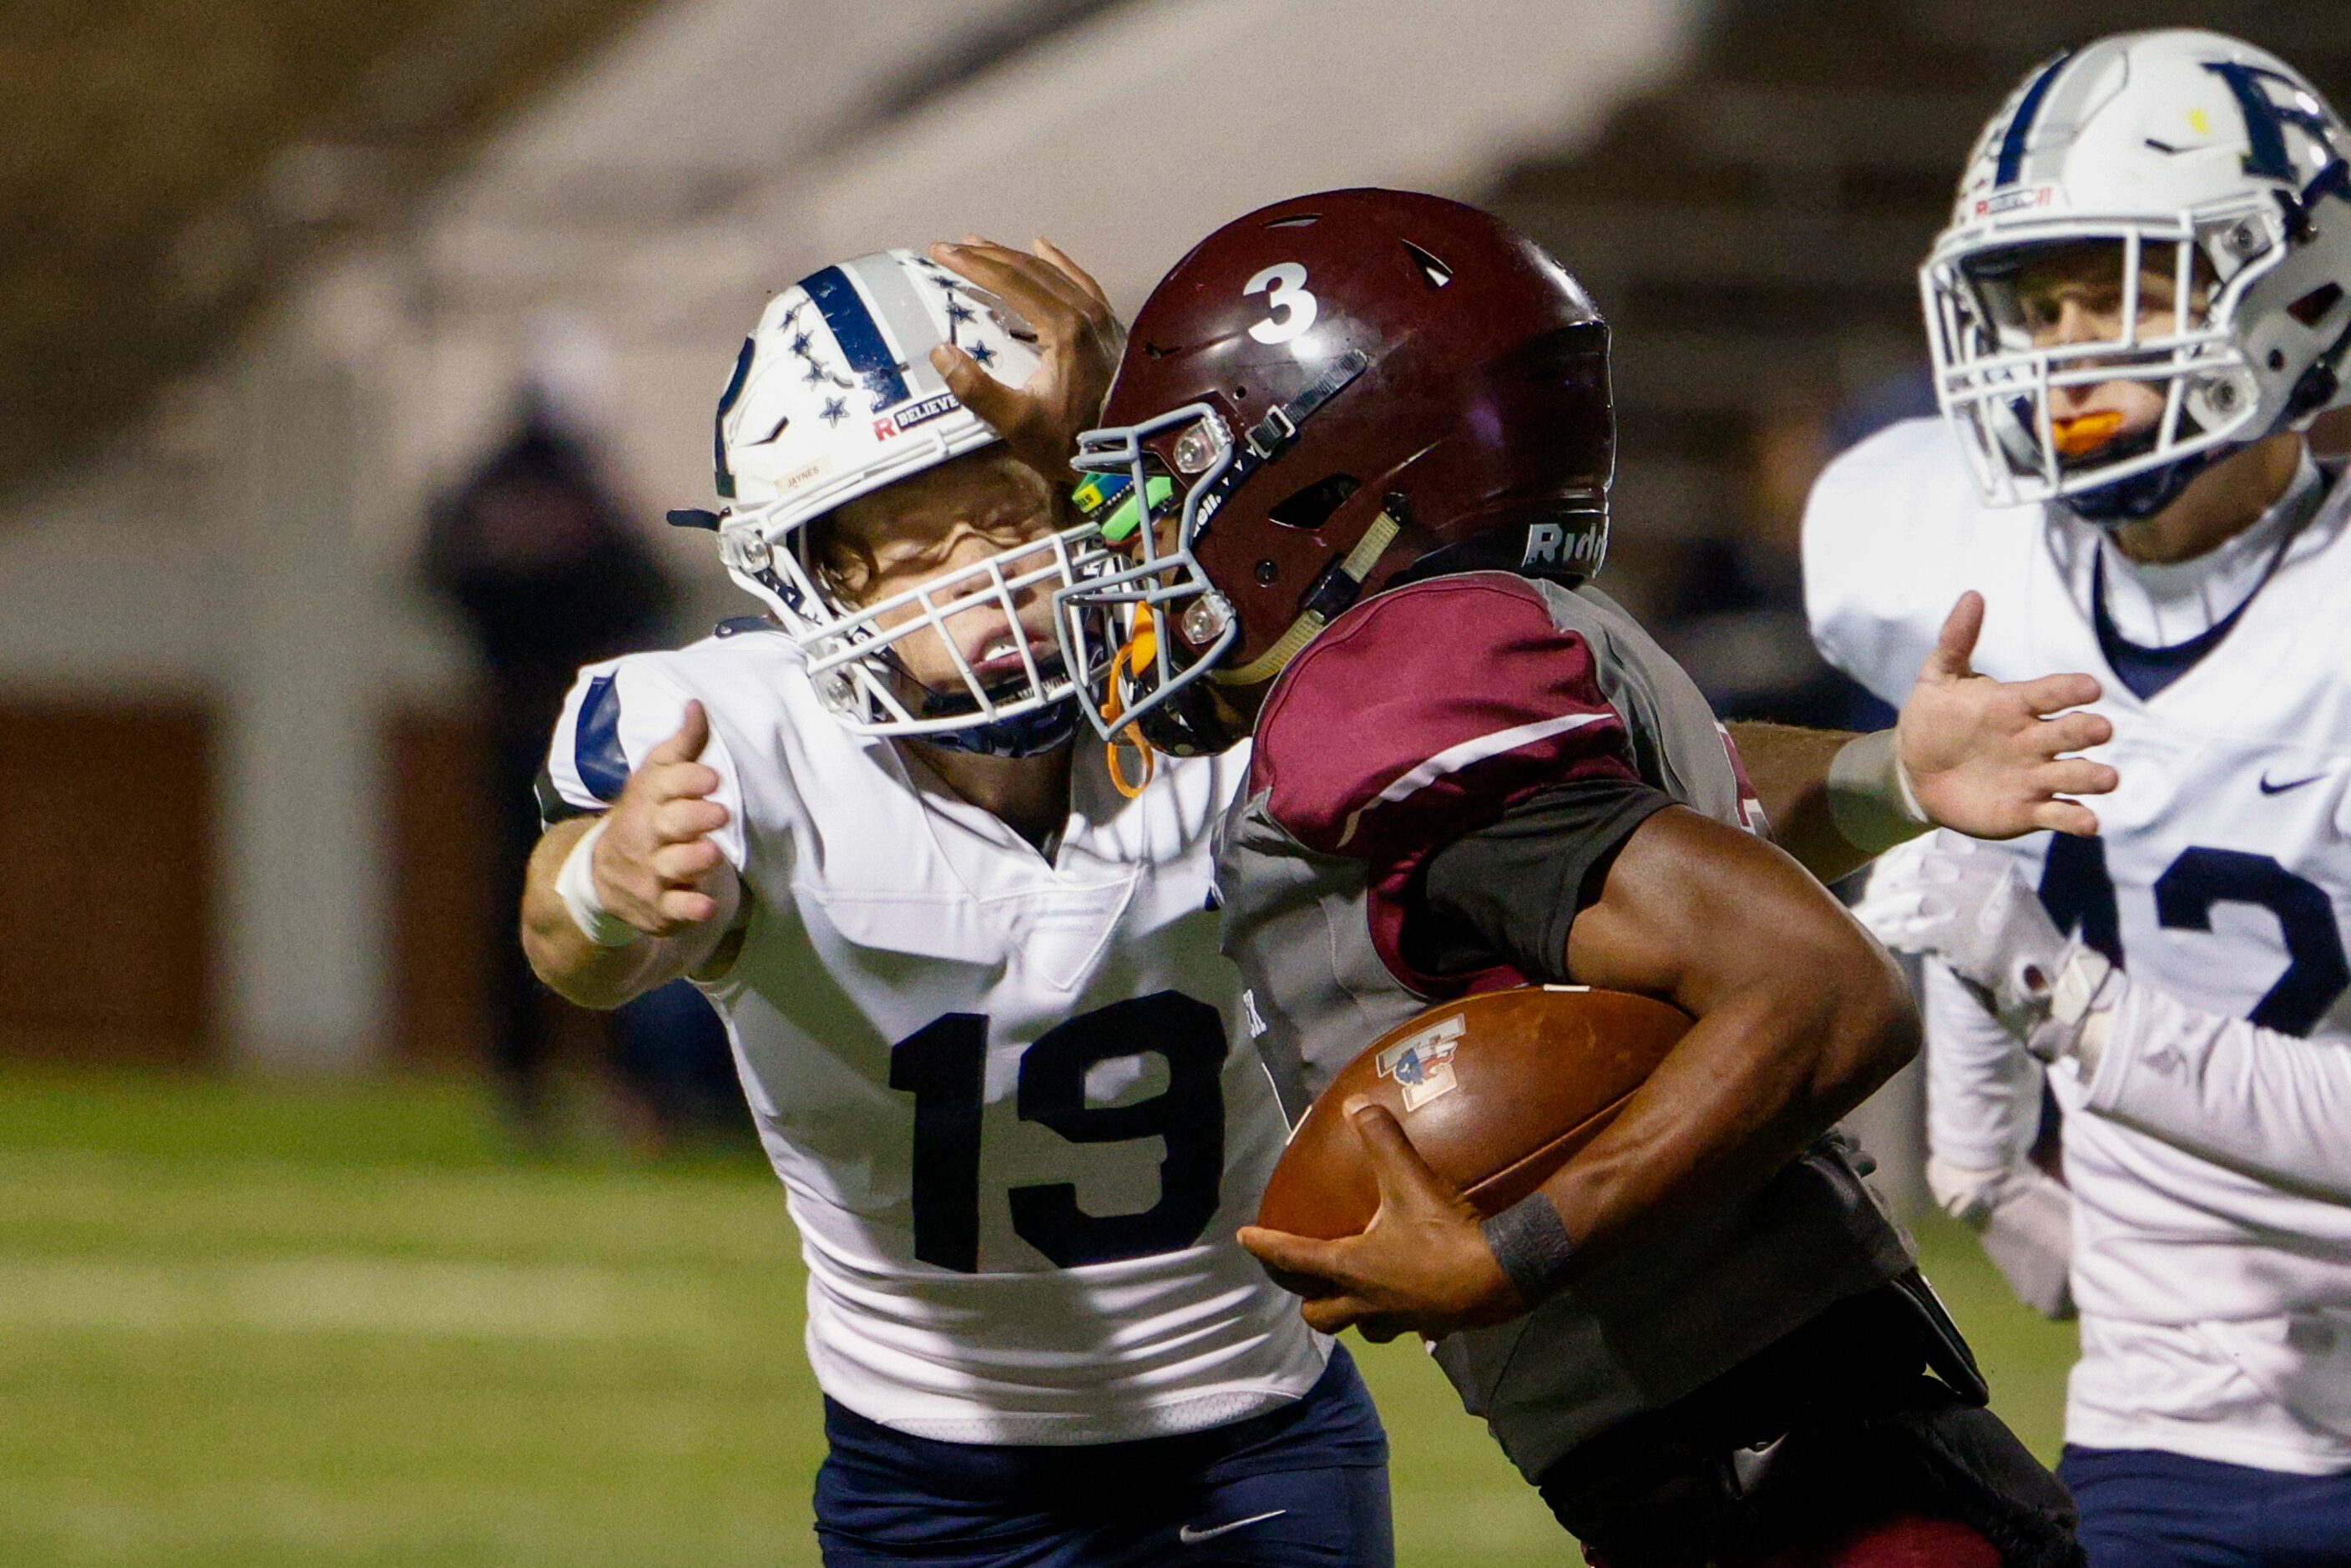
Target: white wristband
576	884
1870	798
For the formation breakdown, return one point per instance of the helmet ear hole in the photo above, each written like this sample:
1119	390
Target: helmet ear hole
2313	308
1312	506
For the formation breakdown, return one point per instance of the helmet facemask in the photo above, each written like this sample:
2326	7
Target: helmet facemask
1178	628
1162	480
2175	158
1996	382
833	400
1003	673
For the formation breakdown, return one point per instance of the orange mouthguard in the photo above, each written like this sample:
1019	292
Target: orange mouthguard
2080	436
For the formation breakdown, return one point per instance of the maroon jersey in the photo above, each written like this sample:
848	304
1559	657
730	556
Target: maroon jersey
1428	713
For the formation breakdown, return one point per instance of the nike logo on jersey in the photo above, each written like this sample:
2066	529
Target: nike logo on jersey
2270	789
1191	1537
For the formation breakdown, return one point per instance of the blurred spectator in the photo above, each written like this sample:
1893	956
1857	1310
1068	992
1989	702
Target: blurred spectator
1889	400
535	554
1737	622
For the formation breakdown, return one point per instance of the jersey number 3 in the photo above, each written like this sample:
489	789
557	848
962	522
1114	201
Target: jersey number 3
944	1065
2078	891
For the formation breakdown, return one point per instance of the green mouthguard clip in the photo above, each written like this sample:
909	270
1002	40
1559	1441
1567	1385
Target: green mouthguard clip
1108	499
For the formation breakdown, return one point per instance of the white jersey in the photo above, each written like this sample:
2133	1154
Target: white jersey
1012	1100
2216	1306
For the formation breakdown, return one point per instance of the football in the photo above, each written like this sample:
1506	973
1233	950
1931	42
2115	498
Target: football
1496	1092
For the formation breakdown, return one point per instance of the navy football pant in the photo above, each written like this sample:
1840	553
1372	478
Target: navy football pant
1303	1484
2145	1508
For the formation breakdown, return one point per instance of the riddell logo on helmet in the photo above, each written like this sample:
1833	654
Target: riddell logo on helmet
1548	544
2011	201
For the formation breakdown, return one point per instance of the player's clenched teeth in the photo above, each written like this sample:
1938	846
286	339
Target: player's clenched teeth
999	648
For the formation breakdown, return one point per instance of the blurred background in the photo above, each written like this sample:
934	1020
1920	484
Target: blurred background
348	354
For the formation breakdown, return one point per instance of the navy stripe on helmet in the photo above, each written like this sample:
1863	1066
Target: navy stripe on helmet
596	741
900	306
725	482
2019	124
860	339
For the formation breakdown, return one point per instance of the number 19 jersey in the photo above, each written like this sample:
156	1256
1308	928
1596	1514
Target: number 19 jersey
1009	1096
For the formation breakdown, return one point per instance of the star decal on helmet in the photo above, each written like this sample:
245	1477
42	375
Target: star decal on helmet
960	313
802	347
981	353
836	409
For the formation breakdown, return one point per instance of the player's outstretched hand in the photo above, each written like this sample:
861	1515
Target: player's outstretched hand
1989	759
656	856
1422	1267
1077	337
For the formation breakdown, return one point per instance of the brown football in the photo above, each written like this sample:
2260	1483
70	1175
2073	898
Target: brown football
1496	1091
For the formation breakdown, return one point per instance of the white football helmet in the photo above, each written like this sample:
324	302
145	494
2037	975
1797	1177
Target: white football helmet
833	397
2192	155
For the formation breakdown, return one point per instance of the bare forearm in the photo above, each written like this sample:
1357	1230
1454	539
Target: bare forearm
593	977
1790	769
1755	1081
1800	1015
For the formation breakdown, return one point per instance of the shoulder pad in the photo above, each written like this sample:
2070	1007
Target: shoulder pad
1425	711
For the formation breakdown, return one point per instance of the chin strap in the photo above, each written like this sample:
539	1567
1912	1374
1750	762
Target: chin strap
1141	649
1328	600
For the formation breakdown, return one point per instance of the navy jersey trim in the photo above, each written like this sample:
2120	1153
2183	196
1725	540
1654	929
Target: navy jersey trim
596	741
2147	671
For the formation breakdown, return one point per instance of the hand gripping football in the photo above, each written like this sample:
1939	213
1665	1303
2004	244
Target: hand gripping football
1496	1091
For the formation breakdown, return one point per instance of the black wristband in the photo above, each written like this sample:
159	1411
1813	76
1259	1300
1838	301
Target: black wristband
1531	1242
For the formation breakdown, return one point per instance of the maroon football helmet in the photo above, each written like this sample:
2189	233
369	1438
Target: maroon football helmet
1323	395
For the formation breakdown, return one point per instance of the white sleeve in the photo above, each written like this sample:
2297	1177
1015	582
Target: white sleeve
1884	534
615	713
1983	1114
1983	1093
2273	1105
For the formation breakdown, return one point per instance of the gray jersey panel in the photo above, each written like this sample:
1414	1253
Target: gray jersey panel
1676	744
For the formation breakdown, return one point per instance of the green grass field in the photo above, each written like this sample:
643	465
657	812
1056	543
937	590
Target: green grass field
260	1326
